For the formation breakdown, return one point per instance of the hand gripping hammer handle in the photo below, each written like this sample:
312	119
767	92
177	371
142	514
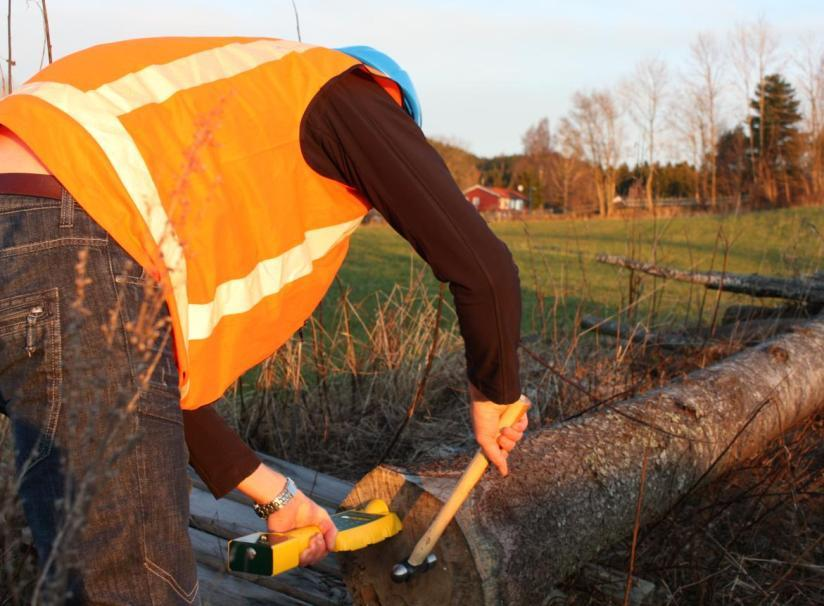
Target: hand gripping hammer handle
461	491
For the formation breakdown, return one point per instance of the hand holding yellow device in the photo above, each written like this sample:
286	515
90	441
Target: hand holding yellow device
271	553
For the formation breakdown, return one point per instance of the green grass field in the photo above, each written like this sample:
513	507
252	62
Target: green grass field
556	260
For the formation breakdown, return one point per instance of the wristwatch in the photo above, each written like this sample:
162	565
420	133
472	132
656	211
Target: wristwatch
279	502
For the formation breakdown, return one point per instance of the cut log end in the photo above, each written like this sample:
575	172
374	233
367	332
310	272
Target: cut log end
368	571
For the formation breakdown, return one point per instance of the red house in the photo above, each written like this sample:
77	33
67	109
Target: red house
494	198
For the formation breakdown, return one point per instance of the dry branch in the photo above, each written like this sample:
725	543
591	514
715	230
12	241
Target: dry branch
810	289
46	30
574	486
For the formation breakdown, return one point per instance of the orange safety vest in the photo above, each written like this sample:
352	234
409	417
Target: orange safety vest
187	151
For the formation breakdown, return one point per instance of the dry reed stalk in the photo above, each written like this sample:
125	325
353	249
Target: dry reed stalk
636	526
46	30
9	58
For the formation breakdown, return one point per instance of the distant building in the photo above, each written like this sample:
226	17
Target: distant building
494	198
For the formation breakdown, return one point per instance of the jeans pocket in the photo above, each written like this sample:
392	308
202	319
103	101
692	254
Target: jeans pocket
30	373
146	325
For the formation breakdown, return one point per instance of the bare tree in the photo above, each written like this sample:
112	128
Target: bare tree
567	167
704	87
754	51
645	94
690	133
537	148
810	65
536	139
596	119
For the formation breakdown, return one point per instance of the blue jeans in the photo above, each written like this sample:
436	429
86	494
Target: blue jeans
88	381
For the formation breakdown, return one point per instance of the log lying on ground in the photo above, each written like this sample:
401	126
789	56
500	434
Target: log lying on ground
745	333
638	334
749	313
574	487
810	289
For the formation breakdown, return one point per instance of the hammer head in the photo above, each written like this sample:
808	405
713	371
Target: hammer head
404	571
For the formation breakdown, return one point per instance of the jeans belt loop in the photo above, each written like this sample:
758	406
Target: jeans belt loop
66	209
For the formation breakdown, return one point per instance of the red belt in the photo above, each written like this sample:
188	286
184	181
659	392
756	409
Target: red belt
29	184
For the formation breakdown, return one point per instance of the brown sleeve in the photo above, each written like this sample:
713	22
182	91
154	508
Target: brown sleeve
219	456
354	133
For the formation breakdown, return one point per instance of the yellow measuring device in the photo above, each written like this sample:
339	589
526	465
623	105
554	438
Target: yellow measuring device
271	553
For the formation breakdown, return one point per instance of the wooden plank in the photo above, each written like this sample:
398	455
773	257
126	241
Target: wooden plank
220	589
235	518
324	489
239	497
301	585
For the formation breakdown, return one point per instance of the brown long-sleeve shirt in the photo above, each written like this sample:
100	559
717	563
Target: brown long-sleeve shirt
354	133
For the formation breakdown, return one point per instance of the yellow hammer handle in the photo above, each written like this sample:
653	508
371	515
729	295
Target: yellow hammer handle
470	477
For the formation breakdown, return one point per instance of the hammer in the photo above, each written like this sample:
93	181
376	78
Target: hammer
422	558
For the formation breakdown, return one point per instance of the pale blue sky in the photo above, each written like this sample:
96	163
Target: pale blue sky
485	70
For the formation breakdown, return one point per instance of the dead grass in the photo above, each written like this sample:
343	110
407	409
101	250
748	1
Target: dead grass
333	397
337	393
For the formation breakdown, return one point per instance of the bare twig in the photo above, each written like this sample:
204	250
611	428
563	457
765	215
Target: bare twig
46	30
636	526
9	59
297	20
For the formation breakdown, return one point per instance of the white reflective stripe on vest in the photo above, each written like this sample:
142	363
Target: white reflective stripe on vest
97	112
156	83
267	278
106	129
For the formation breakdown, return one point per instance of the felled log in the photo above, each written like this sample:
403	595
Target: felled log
748	313
638	334
574	487
810	290
744	333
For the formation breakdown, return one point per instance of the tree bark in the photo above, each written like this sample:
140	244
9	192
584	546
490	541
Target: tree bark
810	290
573	487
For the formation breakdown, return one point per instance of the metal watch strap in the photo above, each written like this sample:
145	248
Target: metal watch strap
279	502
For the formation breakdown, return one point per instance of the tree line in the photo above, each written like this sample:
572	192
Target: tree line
740	125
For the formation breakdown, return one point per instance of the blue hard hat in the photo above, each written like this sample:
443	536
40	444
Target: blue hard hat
385	64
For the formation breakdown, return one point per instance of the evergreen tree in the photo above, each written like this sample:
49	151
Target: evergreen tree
733	171
775	148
